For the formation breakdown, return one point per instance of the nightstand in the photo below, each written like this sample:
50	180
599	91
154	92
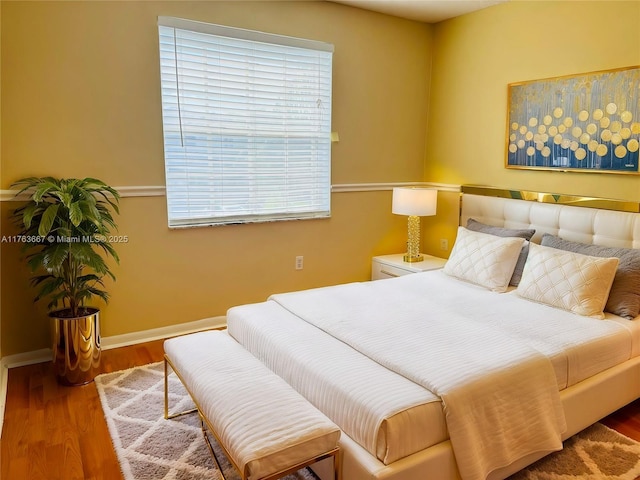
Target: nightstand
388	266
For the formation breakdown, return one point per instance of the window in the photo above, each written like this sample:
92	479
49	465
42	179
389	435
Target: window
247	124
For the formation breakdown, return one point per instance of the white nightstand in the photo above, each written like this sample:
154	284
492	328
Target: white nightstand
388	266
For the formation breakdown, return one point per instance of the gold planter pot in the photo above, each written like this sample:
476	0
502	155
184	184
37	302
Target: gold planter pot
76	346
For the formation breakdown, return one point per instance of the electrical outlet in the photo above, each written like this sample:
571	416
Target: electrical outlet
299	262
444	244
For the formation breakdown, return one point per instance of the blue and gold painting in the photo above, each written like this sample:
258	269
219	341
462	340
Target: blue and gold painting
588	122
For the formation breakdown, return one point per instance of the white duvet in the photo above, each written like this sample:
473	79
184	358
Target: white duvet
500	395
387	414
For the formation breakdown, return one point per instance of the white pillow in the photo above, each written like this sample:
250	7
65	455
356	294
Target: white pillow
571	281
484	259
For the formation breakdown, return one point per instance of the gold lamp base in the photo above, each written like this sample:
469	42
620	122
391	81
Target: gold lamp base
413	242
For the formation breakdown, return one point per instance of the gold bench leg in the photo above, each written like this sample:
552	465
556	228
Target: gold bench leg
211	450
168	416
335	453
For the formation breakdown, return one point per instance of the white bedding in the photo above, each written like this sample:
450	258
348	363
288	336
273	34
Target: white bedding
324	369
577	347
501	403
387	414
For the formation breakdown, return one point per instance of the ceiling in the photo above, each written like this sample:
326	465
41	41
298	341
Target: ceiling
429	11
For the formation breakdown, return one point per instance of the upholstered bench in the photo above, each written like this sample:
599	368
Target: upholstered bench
266	429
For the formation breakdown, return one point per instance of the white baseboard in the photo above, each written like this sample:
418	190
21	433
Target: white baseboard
115	341
134	338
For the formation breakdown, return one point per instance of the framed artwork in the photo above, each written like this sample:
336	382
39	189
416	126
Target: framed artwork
587	123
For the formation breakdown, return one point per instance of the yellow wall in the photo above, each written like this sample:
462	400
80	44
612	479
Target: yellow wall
80	97
477	55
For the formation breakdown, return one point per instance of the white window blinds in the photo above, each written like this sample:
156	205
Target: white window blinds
247	124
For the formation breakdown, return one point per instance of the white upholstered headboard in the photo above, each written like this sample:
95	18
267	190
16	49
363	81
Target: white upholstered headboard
599	226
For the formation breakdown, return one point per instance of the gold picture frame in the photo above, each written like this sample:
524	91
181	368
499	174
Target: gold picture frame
584	123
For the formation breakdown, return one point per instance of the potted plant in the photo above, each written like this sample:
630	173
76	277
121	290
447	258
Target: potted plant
65	228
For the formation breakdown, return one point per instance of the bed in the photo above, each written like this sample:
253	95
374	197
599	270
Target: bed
477	370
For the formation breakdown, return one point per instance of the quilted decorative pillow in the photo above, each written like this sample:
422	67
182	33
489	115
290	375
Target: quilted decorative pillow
483	259
571	281
525	233
624	298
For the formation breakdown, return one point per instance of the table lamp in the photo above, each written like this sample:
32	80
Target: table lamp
414	202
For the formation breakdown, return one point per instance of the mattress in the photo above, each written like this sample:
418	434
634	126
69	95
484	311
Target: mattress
577	347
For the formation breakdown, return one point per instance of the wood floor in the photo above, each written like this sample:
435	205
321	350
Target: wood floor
53	432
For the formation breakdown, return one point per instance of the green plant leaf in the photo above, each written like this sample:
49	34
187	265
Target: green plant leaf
91	213
48	217
34	261
108	248
65	197
89	281
64	231
53	258
56	298
38	279
70	184
28	213
98	293
114	194
44	188
49	286
75	213
87	195
25	184
85	254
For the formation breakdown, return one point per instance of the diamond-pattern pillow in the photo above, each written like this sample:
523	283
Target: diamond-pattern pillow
483	259
526	233
571	281
624	297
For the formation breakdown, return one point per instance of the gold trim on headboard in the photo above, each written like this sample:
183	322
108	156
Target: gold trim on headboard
560	199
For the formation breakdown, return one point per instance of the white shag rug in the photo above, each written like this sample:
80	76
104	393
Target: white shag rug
152	448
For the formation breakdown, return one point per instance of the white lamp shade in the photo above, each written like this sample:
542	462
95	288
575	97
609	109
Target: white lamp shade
420	202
